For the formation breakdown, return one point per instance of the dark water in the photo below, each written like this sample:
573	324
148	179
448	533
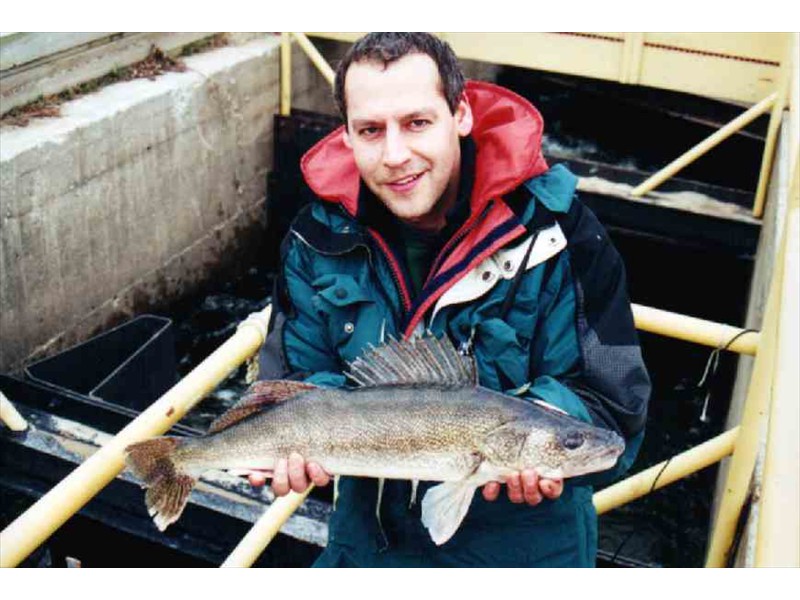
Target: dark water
204	321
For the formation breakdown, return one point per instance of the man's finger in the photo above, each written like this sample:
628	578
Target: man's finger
514	488
297	473
491	491
257	478
551	488
280	480
530	487
317	474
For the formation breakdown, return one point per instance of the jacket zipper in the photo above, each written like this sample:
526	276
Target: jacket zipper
455	240
396	275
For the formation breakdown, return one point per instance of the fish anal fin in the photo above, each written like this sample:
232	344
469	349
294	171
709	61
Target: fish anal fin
444	507
259	396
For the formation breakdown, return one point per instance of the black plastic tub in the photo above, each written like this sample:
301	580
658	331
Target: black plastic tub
106	381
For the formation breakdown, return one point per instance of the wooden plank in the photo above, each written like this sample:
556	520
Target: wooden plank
709	76
734	66
754	46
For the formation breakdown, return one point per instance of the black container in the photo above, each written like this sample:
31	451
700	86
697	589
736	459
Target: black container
130	365
106	381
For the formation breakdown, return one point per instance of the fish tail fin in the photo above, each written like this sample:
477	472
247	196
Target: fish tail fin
168	486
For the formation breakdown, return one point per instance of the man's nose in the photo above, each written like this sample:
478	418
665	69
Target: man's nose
395	149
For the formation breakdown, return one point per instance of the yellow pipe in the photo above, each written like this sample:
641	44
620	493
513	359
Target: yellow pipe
742	464
691	329
286	74
9	415
680	466
778	534
316	58
775	119
37	523
679	163
265	529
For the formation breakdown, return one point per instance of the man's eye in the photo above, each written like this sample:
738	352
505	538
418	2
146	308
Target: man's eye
420	124
368	131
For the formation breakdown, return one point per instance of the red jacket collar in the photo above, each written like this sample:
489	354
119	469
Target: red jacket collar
508	135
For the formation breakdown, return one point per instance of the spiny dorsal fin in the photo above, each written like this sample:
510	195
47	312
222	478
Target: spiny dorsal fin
259	396
420	361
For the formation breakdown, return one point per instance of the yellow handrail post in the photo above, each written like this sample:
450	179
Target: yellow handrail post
680	466
631	63
37	523
10	416
742	464
697	151
265	529
319	61
777	539
286	74
776	116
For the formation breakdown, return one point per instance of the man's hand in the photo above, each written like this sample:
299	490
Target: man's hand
293	474
525	486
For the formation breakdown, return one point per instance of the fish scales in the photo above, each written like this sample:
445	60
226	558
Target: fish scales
369	427
426	419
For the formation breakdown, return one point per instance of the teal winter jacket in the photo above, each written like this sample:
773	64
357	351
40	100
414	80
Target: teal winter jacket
530	284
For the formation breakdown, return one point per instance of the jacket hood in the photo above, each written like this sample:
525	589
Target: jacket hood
507	131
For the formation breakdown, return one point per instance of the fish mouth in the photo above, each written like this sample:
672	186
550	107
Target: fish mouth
601	459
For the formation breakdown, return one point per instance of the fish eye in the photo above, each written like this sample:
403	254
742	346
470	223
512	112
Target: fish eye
573	440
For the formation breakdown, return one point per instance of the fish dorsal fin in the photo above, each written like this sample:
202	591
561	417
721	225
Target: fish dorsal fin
260	395
420	361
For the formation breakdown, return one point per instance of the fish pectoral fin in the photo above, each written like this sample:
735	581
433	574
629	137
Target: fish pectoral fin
445	506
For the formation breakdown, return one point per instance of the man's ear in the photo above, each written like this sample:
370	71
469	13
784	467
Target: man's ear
346	138
463	117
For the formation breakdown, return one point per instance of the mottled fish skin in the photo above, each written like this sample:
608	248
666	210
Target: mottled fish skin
402	432
419	415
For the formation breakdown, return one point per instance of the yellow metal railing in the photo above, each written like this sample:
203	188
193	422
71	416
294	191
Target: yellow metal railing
29	530
775	103
9	415
37	523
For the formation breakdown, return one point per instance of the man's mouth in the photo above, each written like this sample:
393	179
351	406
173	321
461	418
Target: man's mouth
405	184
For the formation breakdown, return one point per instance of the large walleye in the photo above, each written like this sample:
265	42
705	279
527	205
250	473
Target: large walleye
417	414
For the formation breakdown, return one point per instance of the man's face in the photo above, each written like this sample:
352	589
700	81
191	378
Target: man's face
404	138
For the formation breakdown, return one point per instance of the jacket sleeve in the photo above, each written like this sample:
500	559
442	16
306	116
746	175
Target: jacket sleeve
297	346
585	355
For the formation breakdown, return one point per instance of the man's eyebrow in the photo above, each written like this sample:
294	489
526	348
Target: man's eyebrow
422	112
365	123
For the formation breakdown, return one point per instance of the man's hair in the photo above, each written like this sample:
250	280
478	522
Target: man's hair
388	47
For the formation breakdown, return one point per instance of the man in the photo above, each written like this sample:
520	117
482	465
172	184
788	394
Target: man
437	212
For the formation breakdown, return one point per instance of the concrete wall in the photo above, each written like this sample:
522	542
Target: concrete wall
133	197
141	192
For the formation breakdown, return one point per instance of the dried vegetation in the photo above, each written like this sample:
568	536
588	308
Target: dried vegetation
156	63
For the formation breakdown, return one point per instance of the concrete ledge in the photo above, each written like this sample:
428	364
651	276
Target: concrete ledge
133	197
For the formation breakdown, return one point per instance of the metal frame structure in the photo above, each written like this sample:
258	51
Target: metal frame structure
751	68
773	390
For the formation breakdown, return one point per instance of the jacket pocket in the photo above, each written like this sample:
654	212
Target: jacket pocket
349	311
